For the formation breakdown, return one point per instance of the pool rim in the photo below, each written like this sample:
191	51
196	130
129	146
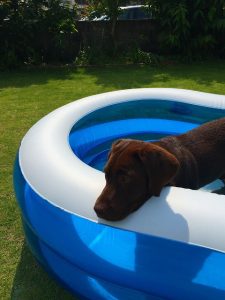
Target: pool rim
83	175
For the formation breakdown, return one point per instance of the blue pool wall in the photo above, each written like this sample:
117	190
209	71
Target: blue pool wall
96	261
148	120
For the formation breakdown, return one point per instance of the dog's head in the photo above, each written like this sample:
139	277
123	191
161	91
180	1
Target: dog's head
135	171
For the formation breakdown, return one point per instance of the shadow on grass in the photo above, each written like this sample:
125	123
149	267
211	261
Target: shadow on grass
140	76
32	282
35	76
119	77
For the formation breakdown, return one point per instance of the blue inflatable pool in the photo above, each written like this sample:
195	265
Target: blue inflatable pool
173	247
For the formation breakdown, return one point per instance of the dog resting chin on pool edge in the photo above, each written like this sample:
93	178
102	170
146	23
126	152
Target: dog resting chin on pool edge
137	170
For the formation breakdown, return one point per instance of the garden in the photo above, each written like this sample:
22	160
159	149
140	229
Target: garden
42	58
37	32
28	95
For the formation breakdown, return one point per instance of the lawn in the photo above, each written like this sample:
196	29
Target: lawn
28	95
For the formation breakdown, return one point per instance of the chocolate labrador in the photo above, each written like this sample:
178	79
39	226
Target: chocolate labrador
137	170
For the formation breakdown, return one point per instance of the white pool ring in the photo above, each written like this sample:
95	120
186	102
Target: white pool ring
56	175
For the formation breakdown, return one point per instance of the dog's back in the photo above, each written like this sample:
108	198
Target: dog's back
201	153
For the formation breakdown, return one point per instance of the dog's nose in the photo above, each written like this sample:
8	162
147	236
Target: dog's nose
104	211
100	210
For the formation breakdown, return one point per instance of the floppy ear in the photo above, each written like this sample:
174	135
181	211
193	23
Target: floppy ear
119	145
160	166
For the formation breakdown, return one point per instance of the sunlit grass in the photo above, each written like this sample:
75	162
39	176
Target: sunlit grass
25	97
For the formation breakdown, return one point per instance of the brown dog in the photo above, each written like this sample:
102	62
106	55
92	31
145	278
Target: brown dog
137	170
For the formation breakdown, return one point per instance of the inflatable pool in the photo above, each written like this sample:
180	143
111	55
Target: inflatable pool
173	247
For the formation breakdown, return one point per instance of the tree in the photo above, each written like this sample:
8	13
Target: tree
36	31
111	8
191	28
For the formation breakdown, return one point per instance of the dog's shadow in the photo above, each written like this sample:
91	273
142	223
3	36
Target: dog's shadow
158	218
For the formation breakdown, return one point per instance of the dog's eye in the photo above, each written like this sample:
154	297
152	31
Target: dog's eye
126	173
123	176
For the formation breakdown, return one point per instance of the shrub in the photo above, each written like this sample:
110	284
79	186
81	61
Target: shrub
193	28
36	31
138	56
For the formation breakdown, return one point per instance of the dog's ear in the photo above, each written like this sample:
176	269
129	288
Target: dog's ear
160	166
115	147
118	146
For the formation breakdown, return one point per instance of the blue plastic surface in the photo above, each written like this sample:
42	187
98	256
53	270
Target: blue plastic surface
96	261
102	262
92	144
92	137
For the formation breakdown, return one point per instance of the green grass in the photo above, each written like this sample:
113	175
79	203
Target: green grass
25	97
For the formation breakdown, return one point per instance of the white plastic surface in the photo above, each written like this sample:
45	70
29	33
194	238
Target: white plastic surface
54	172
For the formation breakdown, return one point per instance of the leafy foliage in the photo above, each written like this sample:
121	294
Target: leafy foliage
44	31
110	8
192	28
138	56
36	31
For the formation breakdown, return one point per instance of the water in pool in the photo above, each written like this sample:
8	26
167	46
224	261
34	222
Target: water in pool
92	137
